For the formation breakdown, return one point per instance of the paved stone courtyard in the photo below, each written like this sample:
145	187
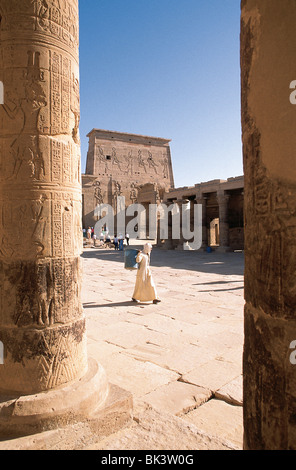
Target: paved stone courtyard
182	358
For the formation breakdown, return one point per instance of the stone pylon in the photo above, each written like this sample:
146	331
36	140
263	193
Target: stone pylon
42	325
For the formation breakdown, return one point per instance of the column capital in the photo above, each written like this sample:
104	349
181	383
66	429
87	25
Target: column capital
222	197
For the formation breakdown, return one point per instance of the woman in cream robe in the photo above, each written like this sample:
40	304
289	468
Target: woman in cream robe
145	289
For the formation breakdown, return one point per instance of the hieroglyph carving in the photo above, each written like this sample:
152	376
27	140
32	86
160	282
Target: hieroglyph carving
98	193
41	318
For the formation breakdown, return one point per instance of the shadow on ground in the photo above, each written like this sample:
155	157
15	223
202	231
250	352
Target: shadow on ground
129	303
221	263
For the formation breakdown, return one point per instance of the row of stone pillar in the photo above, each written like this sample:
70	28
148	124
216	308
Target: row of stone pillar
222	199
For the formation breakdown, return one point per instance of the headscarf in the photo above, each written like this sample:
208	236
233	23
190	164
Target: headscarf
147	248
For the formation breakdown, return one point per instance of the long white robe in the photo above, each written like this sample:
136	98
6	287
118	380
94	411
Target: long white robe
145	289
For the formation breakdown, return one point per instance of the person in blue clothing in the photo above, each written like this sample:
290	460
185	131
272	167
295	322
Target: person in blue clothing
115	241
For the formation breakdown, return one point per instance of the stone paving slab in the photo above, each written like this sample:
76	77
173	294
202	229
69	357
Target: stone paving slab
193	338
177	398
213	375
155	430
137	377
232	392
219	419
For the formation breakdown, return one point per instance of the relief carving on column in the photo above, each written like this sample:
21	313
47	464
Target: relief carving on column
40	198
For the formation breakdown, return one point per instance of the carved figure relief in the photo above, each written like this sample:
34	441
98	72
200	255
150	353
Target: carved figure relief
23	228
98	193
141	161
117	191
165	168
156	191
102	159
129	159
115	160
151	162
25	148
134	193
75	108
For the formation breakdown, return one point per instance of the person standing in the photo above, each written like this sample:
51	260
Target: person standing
115	241
127	238
120	241
145	289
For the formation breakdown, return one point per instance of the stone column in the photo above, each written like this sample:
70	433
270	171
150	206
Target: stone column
268	43
42	325
180	243
223	222
201	199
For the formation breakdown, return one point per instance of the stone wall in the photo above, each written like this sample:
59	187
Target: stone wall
119	164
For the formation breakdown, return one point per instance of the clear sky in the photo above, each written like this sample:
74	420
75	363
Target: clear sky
165	68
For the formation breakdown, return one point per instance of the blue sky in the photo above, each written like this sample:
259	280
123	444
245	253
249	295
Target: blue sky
165	68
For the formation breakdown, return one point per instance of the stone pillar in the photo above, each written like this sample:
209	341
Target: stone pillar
201	199
223	199
170	243
268	44
42	325
180	243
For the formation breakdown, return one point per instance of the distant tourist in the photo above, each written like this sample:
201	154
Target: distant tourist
89	233
145	289
120	238
127	238
115	241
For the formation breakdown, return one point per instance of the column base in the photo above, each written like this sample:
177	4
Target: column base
89	400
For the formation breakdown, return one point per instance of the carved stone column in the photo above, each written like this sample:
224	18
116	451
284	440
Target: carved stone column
268	44
223	222
42	325
181	203
202	199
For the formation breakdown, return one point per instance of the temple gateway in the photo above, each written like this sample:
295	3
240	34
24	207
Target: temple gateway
140	168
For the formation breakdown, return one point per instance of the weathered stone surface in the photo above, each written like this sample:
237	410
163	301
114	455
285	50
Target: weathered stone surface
139	377
162	431
46	380
219	419
115	415
119	164
213	374
232	392
128	339
30	414
41	318
177	398
268	129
